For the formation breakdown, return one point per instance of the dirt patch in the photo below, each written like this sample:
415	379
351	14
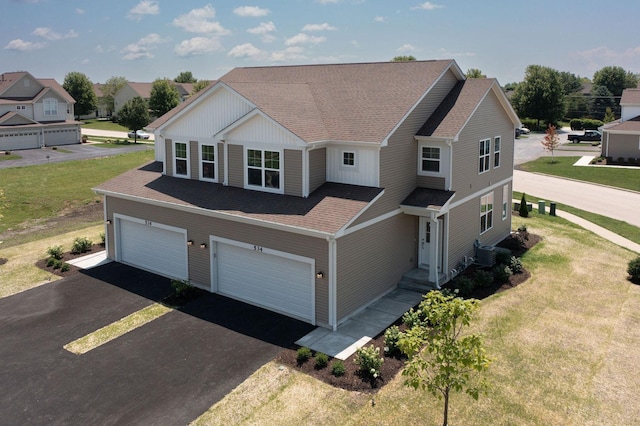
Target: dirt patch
66	257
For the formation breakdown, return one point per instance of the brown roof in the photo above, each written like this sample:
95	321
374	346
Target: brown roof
433	199
326	210
50	82
8	78
630	96
164	118
144	89
631	125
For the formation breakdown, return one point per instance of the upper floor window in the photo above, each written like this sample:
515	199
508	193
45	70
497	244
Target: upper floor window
181	159
349	158
50	107
485	150
264	169
496	151
430	159
486	212
208	162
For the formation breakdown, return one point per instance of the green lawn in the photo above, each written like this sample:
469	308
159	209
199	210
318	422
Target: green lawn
563	167
104	125
39	192
9	157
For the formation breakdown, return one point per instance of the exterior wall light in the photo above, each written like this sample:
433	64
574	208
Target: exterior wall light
108	221
203	245
320	274
190	242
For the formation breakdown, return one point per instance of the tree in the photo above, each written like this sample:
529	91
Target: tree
185	77
441	360
406	58
601	99
613	78
164	97
631	80
134	115
201	84
551	140
475	73
109	90
570	82
80	88
608	116
523	211
540	95
510	86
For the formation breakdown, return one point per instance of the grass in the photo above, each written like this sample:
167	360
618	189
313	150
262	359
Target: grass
563	167
9	157
39	192
104	125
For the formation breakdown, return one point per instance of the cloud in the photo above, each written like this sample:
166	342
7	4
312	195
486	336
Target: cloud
406	48
23	46
264	29
379	19
80	11
247	50
328	1
145	7
49	34
251	11
428	6
143	47
603	52
200	21
198	46
318	27
304	39
289	54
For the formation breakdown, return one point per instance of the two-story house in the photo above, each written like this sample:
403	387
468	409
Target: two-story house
311	190
35	113
621	139
143	90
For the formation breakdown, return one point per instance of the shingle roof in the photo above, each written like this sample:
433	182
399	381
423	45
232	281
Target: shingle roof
326	210
50	82
630	96
144	89
427	198
631	125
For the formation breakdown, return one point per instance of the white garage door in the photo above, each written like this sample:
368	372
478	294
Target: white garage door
156	248
20	140
265	278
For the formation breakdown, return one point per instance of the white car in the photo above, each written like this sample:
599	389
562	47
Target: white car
141	134
524	131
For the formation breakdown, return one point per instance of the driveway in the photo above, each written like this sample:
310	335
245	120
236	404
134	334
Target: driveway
168	371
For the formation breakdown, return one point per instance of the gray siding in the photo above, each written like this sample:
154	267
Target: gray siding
364	274
622	146
430	182
293	172
168	149
199	228
317	168
194	160
236	165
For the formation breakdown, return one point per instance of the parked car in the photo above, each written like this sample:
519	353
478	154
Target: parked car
141	134
587	136
524	130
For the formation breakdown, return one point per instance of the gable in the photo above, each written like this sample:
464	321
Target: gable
258	129
15	119
20	86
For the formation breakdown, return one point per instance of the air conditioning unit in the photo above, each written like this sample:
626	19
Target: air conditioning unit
486	255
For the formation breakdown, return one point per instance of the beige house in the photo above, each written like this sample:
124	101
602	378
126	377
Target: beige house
132	89
312	190
621	138
35	113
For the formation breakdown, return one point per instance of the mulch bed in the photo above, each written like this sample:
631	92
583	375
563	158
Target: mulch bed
66	257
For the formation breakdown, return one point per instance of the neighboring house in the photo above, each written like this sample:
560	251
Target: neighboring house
35	113
621	138
102	110
311	190
131	90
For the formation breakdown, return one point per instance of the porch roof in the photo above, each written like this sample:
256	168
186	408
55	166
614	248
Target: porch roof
424	200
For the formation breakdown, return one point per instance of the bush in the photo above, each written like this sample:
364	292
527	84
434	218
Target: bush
321	360
57	264
64	267
585	124
530	123
515	264
55	252
391	338
633	269
503	255
369	361
102	239
524	211
181	287
501	273
483	278
412	317
81	245
337	368
51	261
464	285
303	354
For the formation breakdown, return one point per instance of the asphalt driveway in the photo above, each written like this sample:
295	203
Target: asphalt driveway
168	371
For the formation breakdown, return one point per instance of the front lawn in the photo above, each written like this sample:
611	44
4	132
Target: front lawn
6	157
104	125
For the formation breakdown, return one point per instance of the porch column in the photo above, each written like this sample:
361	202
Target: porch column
433	251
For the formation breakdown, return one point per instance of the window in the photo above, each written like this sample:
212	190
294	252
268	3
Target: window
50	107
496	152
430	159
180	158
263	169
349	158
486	213
485	149
208	162
505	201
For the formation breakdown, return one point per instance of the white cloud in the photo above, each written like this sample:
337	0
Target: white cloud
355	44
328	1
428	6
145	7
200	21
49	34
143	47
319	27
85	61
23	46
198	46
304	39
264	29
247	50
80	11
379	19
446	54
251	11
407	48
288	54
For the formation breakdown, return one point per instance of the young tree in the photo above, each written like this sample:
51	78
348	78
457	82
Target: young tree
164	97
524	210
540	95
80	88
134	115
404	58
202	84
109	90
608	116
185	77
475	73
441	359
551	140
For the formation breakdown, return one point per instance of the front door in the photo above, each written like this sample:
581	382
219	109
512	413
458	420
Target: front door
425	242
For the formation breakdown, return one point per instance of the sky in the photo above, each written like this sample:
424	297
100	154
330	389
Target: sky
143	40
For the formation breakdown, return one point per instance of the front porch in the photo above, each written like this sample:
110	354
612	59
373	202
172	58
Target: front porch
418	280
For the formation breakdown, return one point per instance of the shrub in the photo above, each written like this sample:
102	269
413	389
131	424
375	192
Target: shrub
55	252
412	317
64	267
337	368
633	269
7	153
391	338
81	245
483	278
57	264
369	361
181	287
303	354
524	211
515	264
503	255
102	239
585	124
321	360
464	285
501	273
51	261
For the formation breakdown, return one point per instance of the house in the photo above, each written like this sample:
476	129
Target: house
621	138
311	190
102	109
35	113
132	89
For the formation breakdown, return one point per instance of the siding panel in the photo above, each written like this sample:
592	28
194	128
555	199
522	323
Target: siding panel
317	168
293	172
236	165
168	149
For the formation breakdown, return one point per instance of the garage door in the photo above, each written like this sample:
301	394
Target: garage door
154	247
267	278
20	140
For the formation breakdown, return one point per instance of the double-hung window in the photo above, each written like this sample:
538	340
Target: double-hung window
496	152
208	162
263	169
430	159
485	150
50	107
181	159
486	212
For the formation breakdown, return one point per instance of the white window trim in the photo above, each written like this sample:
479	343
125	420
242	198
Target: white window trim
215	161
53	102
246	170
439	160
355	159
486	155
506	202
498	152
482	198
173	147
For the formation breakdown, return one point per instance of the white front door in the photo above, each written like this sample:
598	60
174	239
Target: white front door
425	242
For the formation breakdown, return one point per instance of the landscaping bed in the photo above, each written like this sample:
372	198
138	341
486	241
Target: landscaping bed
66	257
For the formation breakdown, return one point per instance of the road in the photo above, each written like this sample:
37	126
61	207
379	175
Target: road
108	133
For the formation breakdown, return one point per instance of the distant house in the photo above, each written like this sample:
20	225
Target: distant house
102	110
132	89
621	138
311	190
35	113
